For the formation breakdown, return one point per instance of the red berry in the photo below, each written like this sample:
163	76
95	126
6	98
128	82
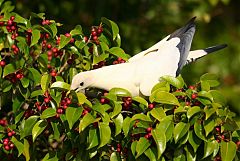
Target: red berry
151	106
100	30
102	100
2	63
14	46
85	38
12	18
95	38
68	35
218	129
47	99
49	46
59	110
192	87
188	103
223	137
54	74
119	145
47	22
238	143
94	33
9	22
19	76
194	95
10	134
149	129
47	35
119	150
5	142
11	145
49	53
6	147
13	132
55	50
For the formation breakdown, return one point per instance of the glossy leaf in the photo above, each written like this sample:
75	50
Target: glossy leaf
86	121
192	111
209	148
173	81
228	150
26	150
118	121
208	126
141	117
45	80
140	100
158	113
142	146
112	25
115	157
120	92
38	128
180	130
19	145
150	154
93	139
212	79
194	140
164	97
117	51
61	85
63	41
27	126
77	31
160	140
49	112
126	124
105	134
35	75
35	36
199	131
72	115
8	69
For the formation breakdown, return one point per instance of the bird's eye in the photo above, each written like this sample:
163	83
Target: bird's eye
82	83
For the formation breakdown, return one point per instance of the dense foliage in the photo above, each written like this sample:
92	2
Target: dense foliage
41	119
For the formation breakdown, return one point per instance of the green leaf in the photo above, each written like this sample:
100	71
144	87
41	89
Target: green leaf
115	157
194	140
133	147
192	111
208	126
77	31
158	113
199	131
209	148
6	85
99	58
61	85
26	150
205	86
64	41
142	146
93	139
27	126
218	97
20	19
142	117
53	28
38	128
49	112
180	130
45	80
212	79
118	52
55	127
8	69
150	154
83	99
167	127
25	82
35	75
228	150
120	92
19	145
105	134
140	100
126	125
86	120
112	25
36	93
160	140
72	115
35	37
173	81
116	109
179	155
164	97
118	121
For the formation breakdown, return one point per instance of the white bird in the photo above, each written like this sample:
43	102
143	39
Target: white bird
144	70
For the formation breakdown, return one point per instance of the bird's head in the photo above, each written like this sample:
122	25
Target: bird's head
81	81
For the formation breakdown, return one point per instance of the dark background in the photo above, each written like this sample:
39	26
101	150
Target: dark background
144	22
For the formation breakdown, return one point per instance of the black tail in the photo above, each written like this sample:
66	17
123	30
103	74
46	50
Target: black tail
215	48
185	34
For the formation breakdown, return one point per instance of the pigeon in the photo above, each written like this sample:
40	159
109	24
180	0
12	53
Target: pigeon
141	72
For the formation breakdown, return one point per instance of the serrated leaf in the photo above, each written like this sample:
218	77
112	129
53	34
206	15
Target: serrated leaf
49	112
120	92
228	150
35	37
86	120
192	111
119	52
118	121
105	134
180	130
72	115
64	41
142	146
160	140
61	85
158	113
38	128
164	98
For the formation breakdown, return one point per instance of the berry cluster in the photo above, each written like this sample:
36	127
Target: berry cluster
12	27
86	110
65	102
119	61
148	134
46	22
95	33
127	103
221	136
7	144
99	65
15	49
14	77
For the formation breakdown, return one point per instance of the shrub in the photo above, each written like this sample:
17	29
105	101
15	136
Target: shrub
42	120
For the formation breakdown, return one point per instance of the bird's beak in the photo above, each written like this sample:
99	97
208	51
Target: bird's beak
80	90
